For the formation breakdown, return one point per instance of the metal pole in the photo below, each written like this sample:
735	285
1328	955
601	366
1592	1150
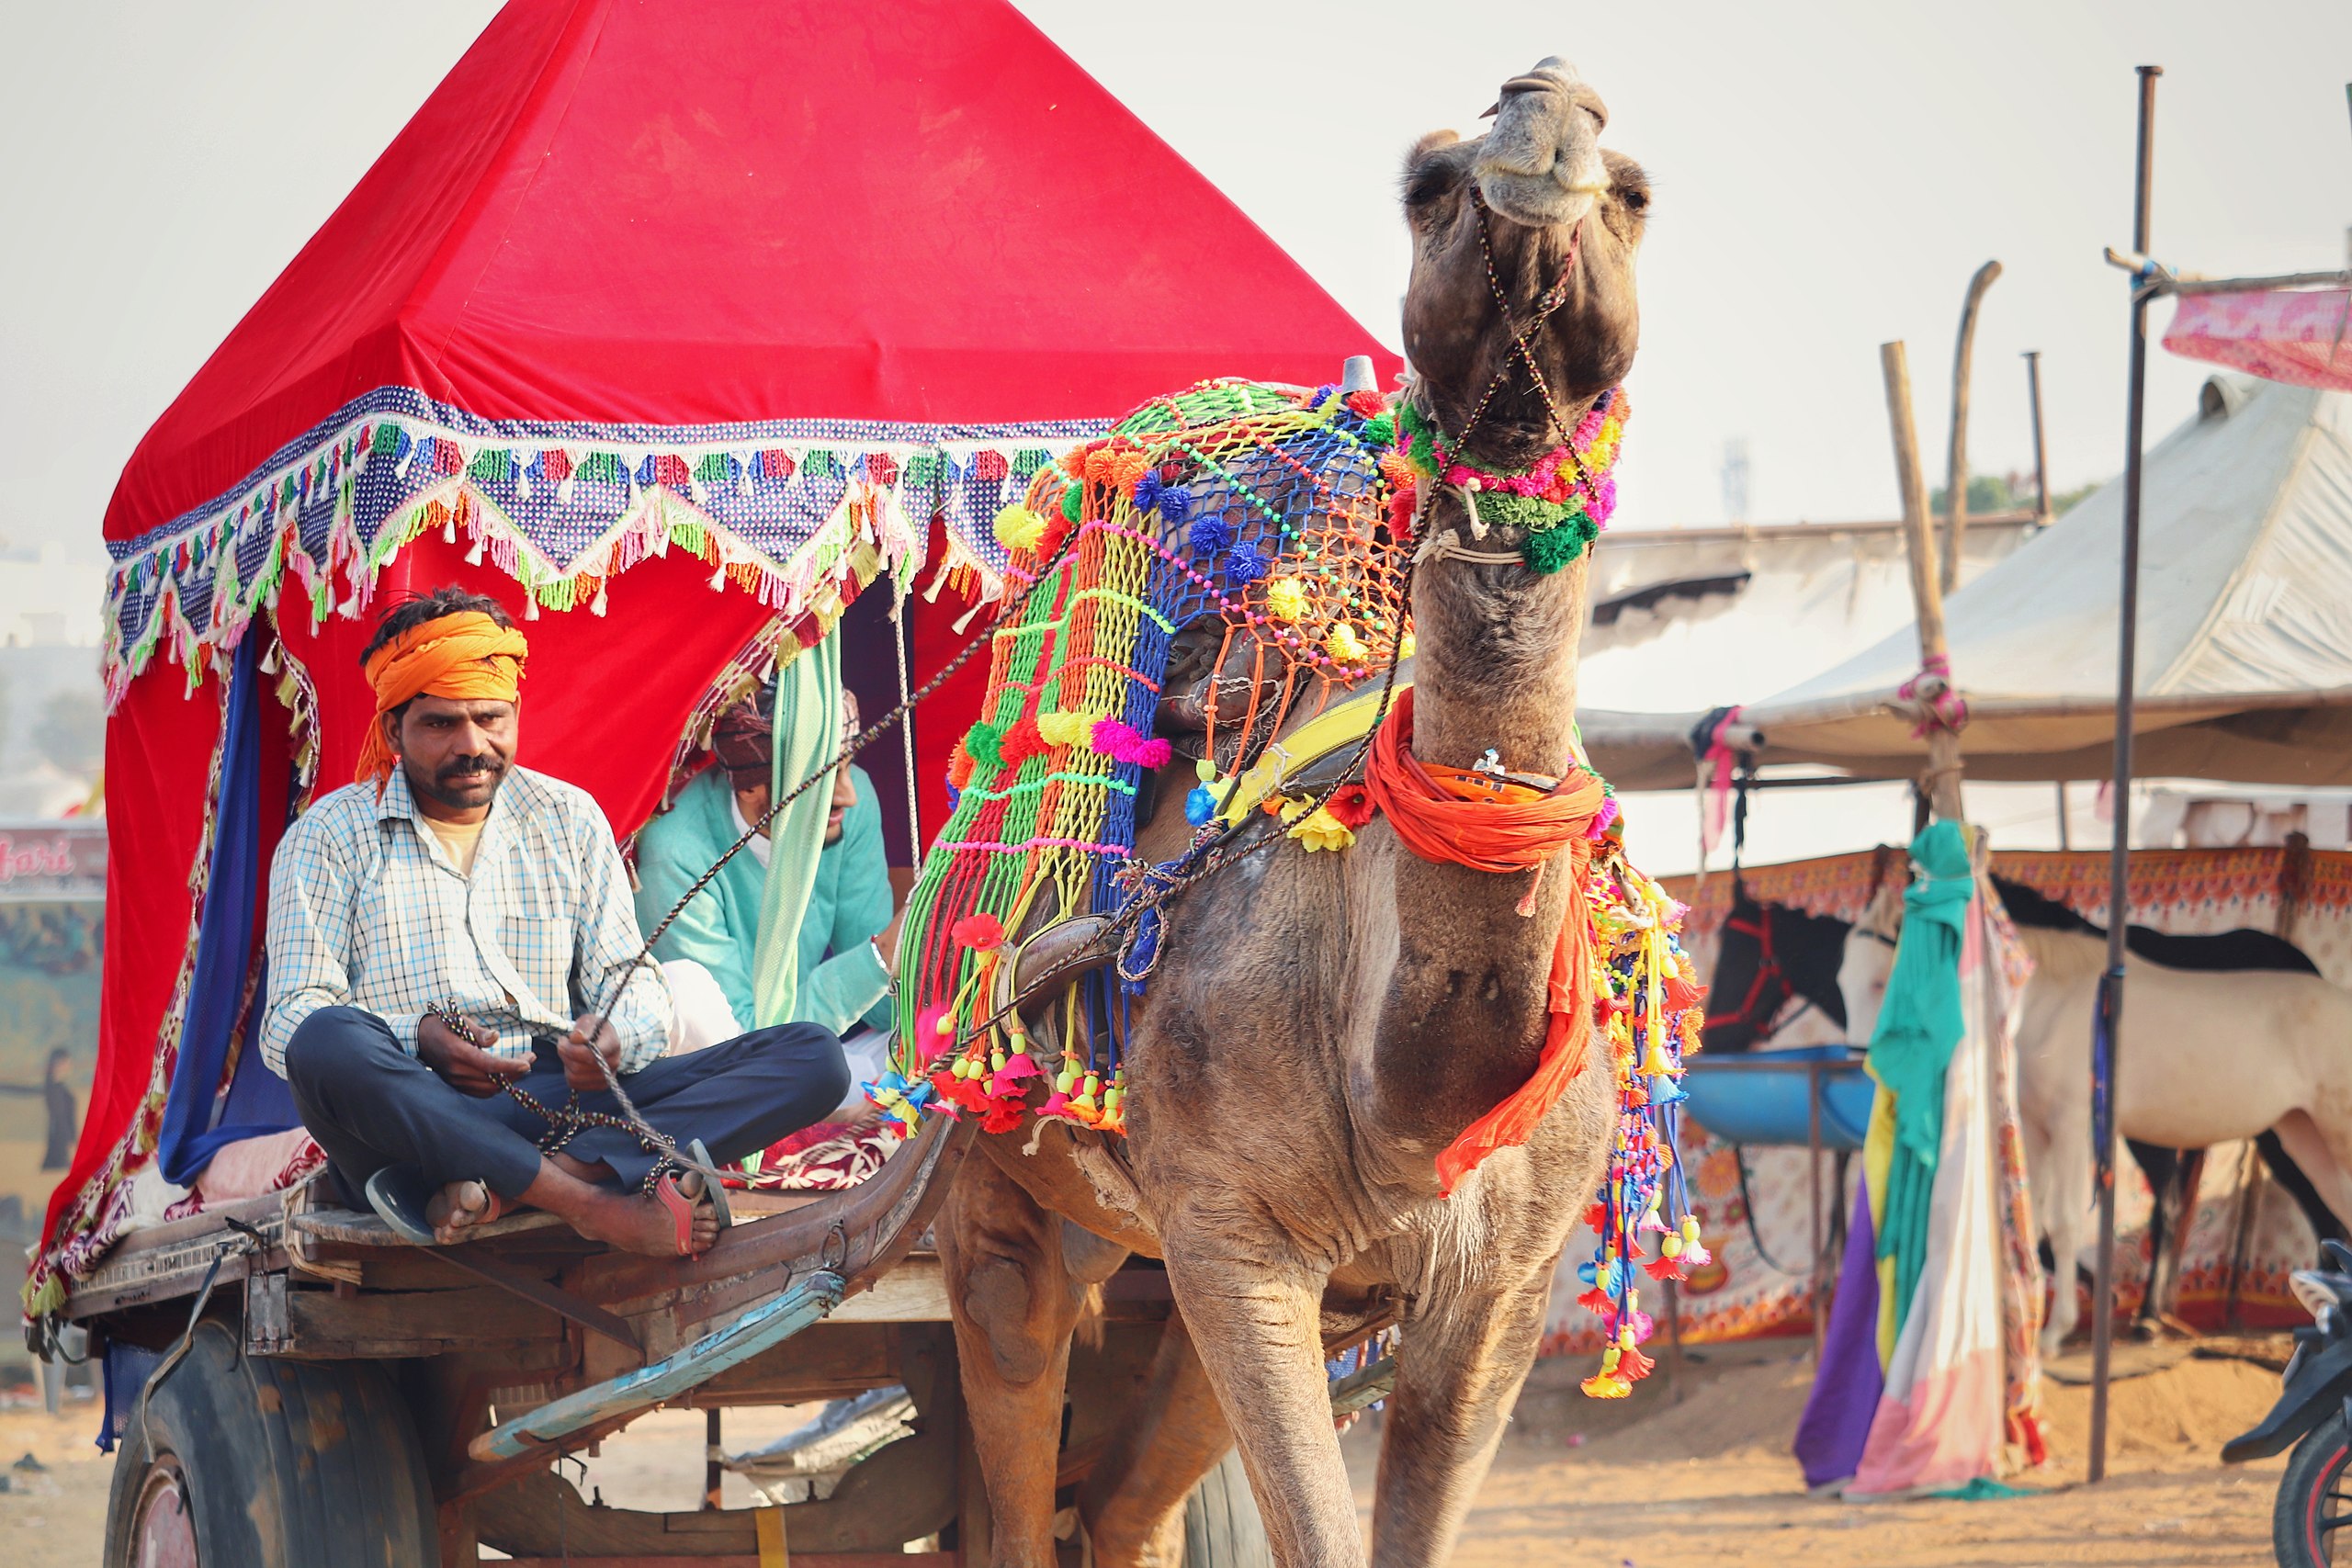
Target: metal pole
1813	1179
714	1474
2105	1056
2041	463
1956	453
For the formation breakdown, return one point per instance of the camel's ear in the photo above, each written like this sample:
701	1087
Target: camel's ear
1435	141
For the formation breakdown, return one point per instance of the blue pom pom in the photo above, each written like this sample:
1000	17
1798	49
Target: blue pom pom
1589	1271
1245	566
1208	536
1175	503
1147	490
1200	806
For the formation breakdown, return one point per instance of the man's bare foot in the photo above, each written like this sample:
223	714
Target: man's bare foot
644	1222
458	1208
596	1173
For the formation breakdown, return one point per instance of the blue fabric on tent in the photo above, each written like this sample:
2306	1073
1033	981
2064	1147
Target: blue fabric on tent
198	1120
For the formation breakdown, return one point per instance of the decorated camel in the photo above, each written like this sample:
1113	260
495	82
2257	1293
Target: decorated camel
1319	1019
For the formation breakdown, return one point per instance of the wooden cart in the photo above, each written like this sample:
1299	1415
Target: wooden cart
330	1394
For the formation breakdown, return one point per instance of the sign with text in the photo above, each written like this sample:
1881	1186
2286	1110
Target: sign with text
44	861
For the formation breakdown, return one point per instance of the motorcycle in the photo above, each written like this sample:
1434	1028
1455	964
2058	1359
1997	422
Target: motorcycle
2313	1413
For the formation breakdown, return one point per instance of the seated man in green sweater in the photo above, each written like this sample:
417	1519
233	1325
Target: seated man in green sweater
848	938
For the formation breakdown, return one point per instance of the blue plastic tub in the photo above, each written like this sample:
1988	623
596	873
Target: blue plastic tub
1756	1106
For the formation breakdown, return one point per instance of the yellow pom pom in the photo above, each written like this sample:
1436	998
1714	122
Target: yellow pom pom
1343	645
1286	599
1018	528
1065	729
1407	649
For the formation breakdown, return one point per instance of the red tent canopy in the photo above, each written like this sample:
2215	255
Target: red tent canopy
711	213
754	298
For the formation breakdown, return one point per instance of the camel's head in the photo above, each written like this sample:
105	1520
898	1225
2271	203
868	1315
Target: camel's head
1558	211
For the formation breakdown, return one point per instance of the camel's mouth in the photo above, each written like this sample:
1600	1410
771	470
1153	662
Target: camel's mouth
1540	164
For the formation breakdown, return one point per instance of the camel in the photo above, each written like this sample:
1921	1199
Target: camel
2205	1057
1320	1026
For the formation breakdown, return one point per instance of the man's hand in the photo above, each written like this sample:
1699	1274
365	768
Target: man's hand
886	944
579	1069
462	1060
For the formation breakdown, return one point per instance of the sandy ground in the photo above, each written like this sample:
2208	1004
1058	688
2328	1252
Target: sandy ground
1702	1475
1673	1477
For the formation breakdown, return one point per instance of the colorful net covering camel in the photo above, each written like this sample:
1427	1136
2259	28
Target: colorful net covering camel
1263	506
1284	517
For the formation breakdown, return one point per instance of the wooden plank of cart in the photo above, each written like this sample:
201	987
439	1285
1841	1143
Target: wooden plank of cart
480	1363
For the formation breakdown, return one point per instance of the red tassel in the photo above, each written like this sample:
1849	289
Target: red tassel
1632	1366
1596	1217
1594	1300
1663	1268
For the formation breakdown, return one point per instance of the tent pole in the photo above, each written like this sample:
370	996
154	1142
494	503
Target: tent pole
1956	452
1927	594
2041	463
2105	1058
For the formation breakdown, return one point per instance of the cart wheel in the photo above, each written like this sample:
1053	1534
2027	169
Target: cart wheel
250	1463
1222	1527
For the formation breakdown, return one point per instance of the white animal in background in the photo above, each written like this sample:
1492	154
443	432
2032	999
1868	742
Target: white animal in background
2205	1057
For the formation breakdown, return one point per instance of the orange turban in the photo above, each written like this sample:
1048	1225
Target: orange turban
467	656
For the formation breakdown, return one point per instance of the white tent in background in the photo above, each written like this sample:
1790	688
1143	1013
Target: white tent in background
2245	629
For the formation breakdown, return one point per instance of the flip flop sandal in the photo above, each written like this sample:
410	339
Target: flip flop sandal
680	1210
714	1190
402	1198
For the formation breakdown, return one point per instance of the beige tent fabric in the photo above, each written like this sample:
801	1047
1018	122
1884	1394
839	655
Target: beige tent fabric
2245	628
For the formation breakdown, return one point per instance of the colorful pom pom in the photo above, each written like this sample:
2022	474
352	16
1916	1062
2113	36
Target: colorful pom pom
1208	536
1018	528
1286	599
1065	729
1245	565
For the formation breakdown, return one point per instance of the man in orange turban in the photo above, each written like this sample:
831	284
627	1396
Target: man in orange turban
452	924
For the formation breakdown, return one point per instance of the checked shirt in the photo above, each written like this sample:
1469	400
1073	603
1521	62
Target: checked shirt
367	910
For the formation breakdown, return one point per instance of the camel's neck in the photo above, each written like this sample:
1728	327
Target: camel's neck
1464	1016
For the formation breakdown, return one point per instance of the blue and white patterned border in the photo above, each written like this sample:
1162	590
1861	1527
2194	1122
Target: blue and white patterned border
561	507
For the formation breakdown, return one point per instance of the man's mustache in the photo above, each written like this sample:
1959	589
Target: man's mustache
472	767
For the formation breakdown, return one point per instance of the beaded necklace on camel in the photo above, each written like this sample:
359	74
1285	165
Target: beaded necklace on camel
1563	499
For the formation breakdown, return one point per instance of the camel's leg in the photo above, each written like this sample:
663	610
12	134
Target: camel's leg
1459	1366
1133	1503
1015	1305
1255	1310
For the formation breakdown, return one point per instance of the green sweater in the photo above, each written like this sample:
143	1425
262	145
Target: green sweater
842	981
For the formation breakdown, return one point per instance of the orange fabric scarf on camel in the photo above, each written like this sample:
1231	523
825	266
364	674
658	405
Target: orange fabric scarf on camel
1468	818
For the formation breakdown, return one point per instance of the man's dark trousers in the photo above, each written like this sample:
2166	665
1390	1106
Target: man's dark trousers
371	1104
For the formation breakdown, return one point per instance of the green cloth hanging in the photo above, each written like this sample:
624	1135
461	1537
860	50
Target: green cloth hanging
1918	1028
807	736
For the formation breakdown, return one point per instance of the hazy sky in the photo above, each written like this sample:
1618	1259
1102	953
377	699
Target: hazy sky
1828	177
